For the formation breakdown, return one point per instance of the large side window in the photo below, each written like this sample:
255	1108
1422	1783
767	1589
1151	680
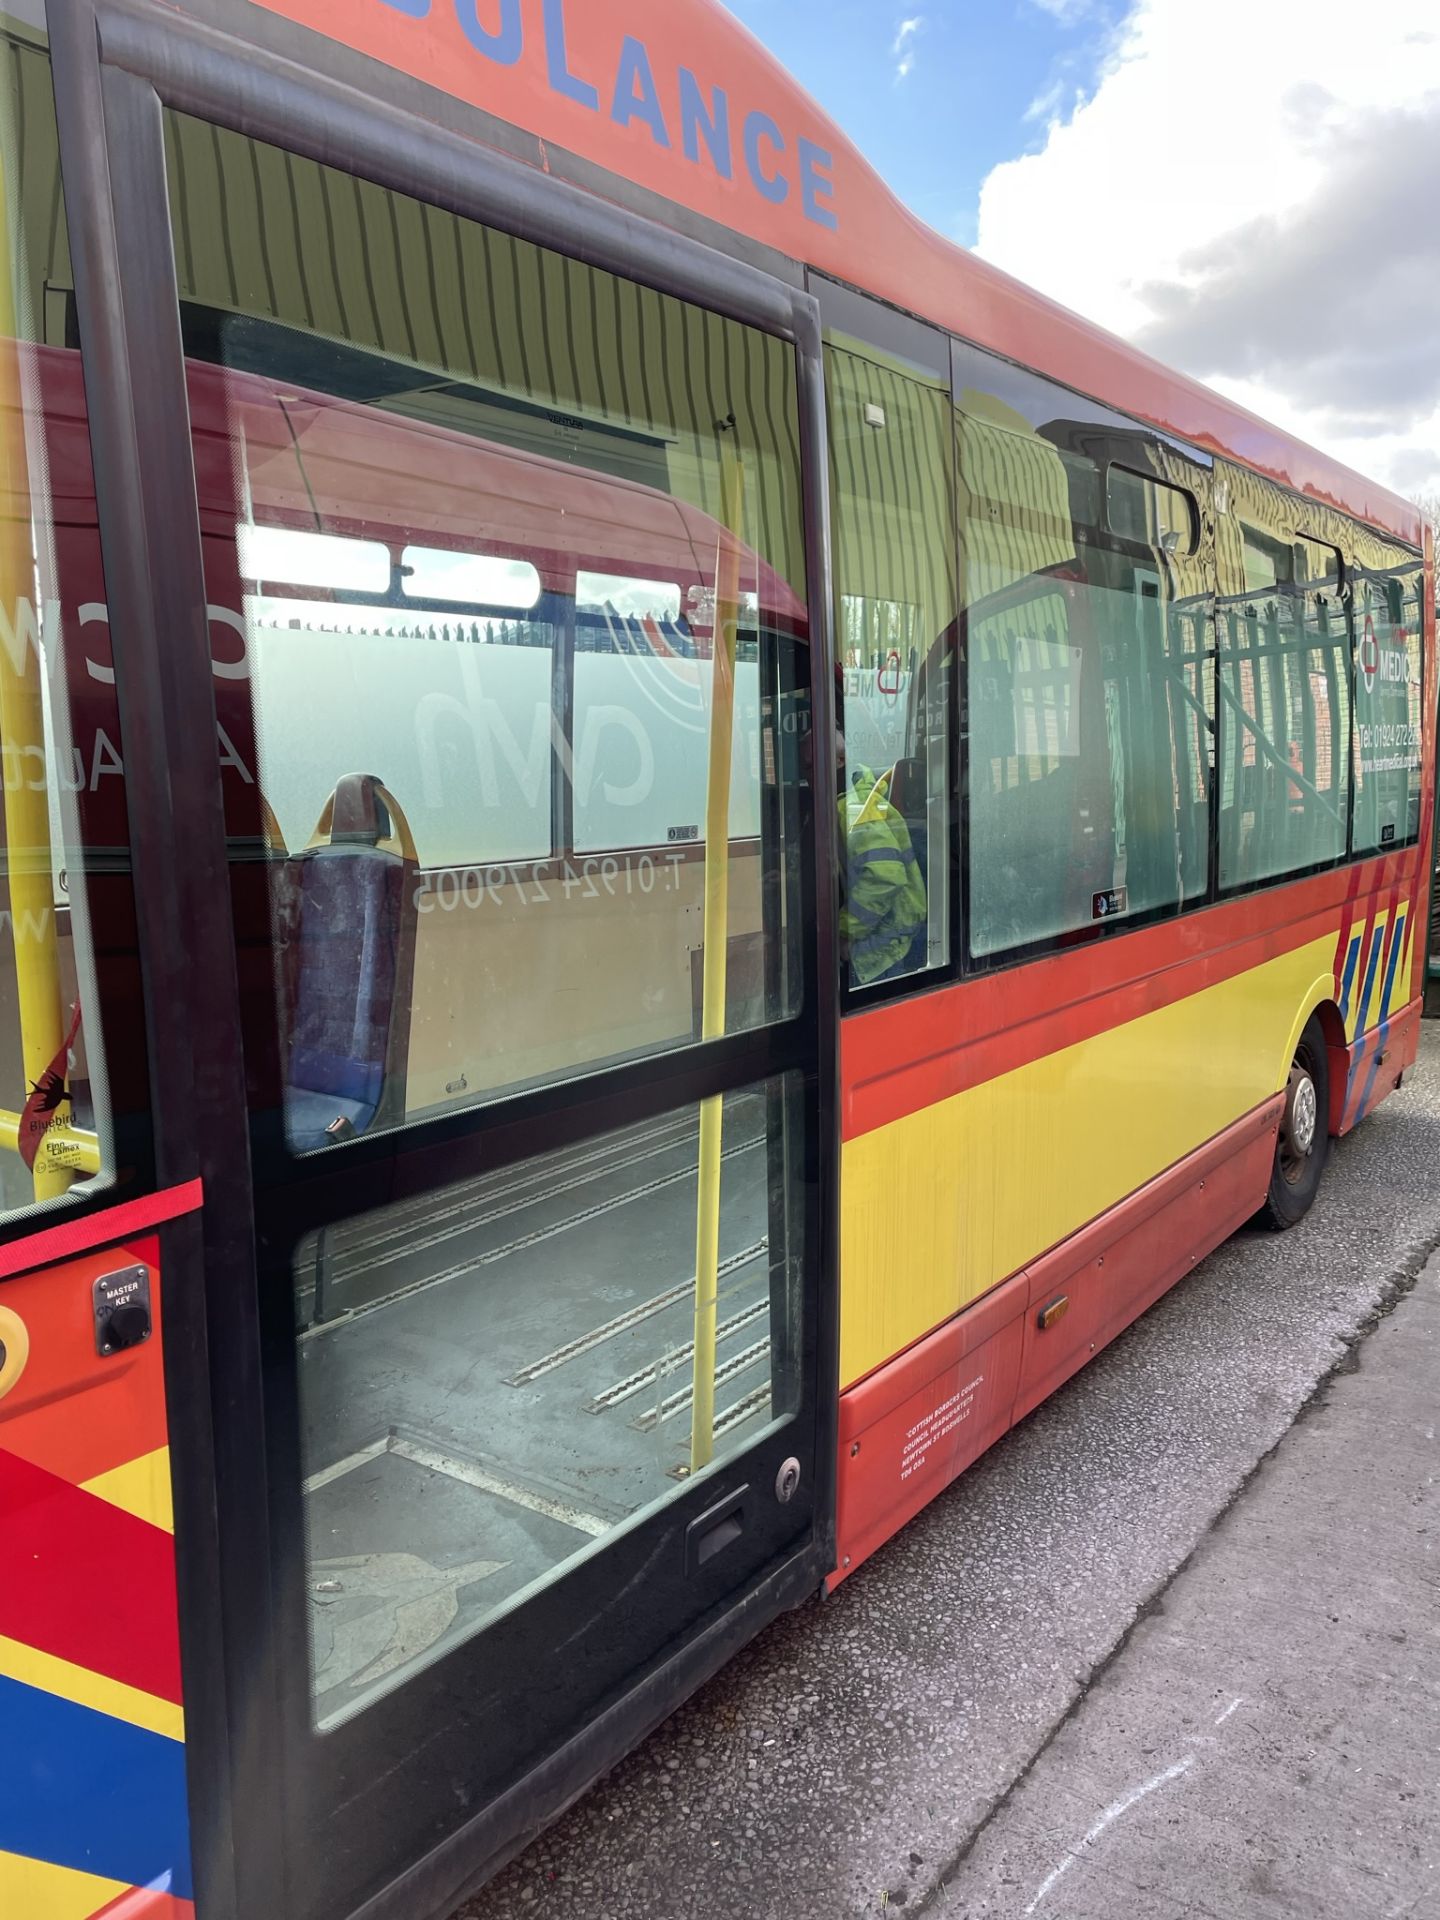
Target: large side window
1085	617
893	520
71	1098
1388	717
507	602
1284	647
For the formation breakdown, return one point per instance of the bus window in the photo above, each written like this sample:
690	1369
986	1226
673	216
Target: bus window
483	579
63	828
891	491
1284	680
1085	619
1388	717
488	750
1150	511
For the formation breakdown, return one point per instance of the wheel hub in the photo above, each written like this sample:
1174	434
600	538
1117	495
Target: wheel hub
1301	1111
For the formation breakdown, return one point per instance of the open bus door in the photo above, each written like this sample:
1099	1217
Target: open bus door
520	1367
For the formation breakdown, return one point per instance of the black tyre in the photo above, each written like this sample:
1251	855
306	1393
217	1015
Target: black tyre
1302	1144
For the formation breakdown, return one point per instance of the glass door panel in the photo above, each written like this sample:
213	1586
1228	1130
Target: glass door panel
509	615
497	1377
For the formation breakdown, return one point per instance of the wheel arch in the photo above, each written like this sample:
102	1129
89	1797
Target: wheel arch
1319	1004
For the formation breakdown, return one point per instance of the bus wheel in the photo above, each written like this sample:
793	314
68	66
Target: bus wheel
1302	1144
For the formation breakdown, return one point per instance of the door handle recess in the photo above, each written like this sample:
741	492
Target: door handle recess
715	1529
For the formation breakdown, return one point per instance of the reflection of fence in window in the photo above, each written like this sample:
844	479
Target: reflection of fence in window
1284	696
1024	692
1045	682
1388	691
872	630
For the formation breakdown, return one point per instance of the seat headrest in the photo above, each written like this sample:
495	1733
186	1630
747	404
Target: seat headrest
360	817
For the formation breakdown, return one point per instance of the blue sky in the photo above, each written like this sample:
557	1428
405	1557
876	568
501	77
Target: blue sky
973	73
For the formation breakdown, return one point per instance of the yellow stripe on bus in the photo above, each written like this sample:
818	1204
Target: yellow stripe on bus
141	1487
39	1890
50	1674
943	1204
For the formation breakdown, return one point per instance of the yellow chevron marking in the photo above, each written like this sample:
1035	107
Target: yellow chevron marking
1370	1012
50	1674
141	1487
39	1890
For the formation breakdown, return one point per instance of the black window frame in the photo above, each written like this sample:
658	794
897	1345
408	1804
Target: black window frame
846	312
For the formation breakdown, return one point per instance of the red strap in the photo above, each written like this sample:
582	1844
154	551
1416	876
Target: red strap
69	1237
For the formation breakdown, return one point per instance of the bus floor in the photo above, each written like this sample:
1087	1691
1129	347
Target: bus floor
493	1377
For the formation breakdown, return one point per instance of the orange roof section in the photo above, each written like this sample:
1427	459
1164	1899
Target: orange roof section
681	99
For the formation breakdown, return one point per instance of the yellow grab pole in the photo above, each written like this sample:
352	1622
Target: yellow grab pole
22	738
716	936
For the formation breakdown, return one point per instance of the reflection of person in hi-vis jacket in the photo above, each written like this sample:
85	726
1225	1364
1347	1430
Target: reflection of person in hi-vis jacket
883	907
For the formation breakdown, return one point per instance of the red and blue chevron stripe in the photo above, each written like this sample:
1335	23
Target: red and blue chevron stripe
93	1811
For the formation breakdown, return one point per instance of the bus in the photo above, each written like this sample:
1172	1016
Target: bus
666	848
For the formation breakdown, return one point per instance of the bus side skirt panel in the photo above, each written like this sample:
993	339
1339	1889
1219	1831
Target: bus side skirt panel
909	1428
1377	1060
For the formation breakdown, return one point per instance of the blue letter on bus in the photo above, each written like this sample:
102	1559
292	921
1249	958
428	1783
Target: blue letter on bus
417	9
696	124
814	183
556	64
635	95
506	44
759	126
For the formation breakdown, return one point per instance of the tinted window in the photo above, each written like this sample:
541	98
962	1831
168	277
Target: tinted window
1086	649
1283	638
1388	716
1149	512
893	545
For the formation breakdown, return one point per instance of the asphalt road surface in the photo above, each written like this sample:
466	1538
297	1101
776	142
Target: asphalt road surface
874	1752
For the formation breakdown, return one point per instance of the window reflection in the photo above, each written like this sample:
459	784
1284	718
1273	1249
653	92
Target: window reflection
1086	621
514	550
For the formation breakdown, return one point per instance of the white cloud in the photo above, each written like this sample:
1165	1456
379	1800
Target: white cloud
1065	11
1250	192
1047	103
903	46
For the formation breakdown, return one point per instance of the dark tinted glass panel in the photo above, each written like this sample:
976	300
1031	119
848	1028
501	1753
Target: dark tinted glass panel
496	1378
507	588
1388	716
1150	513
892	508
506	583
1284	647
1087	676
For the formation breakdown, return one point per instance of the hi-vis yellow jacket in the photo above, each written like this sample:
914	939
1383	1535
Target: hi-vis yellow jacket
883	904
